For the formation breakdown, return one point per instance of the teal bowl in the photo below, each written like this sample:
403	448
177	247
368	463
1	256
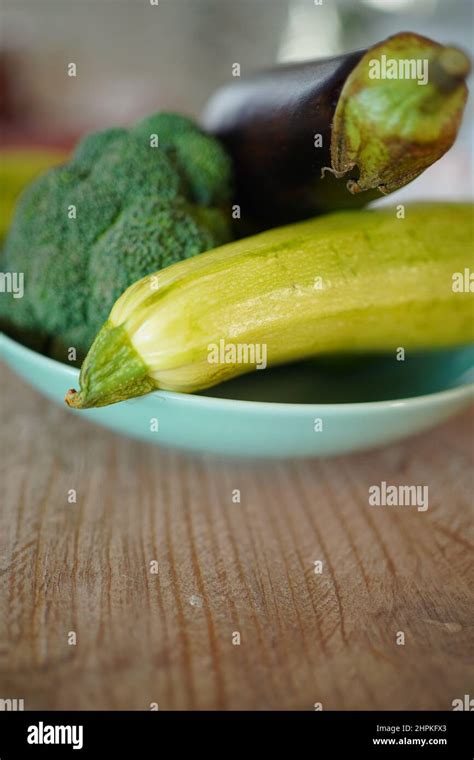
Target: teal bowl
311	409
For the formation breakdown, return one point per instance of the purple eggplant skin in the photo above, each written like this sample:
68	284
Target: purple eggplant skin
268	124
371	145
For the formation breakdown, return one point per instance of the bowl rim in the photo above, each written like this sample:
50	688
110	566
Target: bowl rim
450	394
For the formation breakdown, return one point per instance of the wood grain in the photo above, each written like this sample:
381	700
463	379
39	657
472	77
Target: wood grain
248	568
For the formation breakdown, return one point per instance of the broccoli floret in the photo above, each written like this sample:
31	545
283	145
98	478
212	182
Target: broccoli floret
121	208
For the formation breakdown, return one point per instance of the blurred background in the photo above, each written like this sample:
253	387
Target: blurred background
133	57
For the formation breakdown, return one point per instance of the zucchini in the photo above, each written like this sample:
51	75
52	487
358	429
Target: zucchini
353	281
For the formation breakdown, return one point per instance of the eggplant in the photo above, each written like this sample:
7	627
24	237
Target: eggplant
318	136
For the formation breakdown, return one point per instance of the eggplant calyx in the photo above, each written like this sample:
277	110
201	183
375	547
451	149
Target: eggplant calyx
399	111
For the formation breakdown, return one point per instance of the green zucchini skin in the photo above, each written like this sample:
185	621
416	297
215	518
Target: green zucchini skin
353	281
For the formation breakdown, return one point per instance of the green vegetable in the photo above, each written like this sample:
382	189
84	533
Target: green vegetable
19	167
120	209
354	281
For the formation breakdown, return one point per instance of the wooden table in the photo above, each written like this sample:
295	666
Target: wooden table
168	637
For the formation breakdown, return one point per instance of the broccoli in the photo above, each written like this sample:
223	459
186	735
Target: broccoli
120	209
